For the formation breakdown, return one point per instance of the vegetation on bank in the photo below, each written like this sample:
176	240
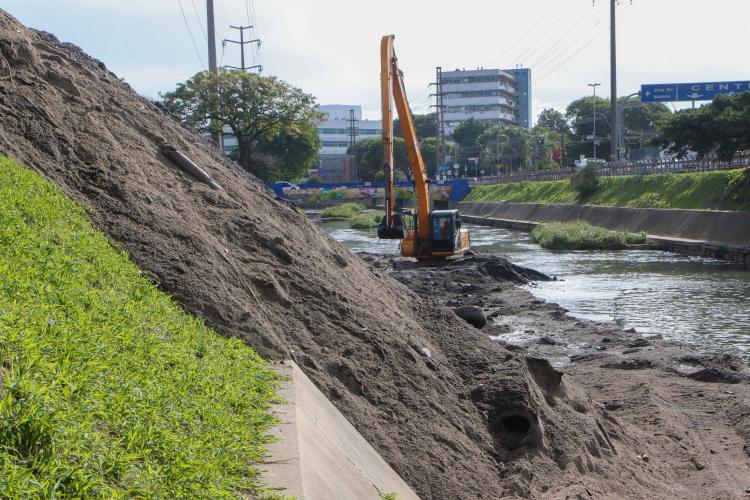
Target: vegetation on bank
583	236
358	217
717	190
107	387
366	220
343	211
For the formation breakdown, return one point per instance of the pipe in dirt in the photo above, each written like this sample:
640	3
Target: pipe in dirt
186	165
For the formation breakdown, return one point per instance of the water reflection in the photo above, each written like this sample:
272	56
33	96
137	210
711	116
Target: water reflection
693	299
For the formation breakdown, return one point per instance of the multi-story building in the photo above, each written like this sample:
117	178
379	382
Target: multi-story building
499	96
342	126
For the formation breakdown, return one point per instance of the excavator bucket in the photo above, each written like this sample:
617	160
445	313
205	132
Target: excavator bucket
396	231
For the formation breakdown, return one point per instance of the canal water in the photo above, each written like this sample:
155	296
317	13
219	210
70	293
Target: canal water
703	302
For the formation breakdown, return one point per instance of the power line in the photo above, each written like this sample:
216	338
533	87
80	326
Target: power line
187	25
252	21
542	41
519	40
546	75
563	43
200	21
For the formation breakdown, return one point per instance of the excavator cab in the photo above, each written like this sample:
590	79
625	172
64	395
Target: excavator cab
446	234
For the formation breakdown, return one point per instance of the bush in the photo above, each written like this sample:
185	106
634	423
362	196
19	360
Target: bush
583	236
344	211
585	182
366	220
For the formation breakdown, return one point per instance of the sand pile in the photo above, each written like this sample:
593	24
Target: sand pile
458	416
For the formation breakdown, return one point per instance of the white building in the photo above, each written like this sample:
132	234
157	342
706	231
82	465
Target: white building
336	131
495	95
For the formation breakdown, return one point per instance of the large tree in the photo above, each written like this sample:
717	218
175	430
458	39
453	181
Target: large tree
268	116
466	136
640	122
517	148
551	119
425	126
722	126
369	157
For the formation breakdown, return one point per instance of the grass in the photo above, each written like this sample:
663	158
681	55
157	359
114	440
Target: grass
108	388
718	190
368	219
343	211
582	236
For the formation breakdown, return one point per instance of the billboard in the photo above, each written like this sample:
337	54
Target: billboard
705	91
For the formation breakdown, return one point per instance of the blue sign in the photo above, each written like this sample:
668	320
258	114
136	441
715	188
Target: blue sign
706	91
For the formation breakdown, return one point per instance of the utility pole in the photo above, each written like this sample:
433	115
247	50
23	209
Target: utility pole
352	141
242	42
615	128
594	85
615	125
211	35
440	136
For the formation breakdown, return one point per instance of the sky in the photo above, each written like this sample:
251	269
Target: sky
330	48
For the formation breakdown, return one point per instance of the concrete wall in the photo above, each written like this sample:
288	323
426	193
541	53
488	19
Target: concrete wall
713	226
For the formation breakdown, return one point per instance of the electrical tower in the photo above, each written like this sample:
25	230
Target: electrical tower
440	136
352	140
242	42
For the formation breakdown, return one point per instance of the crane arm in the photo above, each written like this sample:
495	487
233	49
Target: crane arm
392	87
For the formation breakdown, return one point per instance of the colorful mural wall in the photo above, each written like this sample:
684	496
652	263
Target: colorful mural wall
361	192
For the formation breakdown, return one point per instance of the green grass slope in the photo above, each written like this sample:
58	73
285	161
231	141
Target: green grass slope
107	387
718	190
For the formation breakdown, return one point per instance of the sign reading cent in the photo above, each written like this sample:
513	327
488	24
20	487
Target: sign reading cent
667	92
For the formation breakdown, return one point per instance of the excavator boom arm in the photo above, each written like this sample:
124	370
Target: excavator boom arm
392	88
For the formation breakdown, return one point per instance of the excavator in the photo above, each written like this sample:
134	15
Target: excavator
436	233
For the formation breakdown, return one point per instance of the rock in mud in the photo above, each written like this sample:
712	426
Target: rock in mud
473	315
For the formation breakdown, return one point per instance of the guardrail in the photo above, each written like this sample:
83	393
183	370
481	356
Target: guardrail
622	168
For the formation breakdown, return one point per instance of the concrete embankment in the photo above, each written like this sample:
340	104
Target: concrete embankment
711	233
319	454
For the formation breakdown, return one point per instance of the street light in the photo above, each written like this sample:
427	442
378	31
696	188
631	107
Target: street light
594	85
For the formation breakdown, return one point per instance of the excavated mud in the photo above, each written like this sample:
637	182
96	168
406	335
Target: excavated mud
455	413
684	415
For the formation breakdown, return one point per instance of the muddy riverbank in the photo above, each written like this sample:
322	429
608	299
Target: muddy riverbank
684	416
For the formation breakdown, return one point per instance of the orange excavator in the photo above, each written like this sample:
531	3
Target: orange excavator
436	233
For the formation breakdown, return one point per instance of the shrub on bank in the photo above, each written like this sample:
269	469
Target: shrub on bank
585	182
343	211
583	236
366	220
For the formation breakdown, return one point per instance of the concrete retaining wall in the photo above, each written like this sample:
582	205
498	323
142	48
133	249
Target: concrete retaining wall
713	233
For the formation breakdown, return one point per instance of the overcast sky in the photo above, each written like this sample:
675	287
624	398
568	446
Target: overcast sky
330	47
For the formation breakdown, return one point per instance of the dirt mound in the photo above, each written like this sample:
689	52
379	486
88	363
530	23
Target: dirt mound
457	415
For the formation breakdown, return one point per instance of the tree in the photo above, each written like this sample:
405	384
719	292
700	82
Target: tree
466	136
295	150
425	126
580	113
551	119
369	157
722	126
264	114
640	122
516	147
556	127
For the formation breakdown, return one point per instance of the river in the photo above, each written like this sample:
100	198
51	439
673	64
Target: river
702	302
